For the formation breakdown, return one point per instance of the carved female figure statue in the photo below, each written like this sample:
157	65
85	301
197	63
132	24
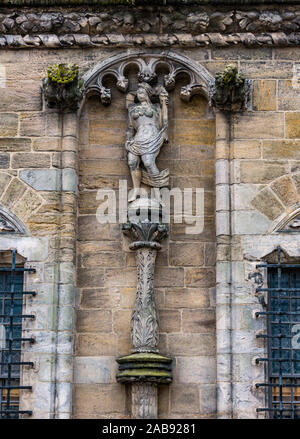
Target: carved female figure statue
146	133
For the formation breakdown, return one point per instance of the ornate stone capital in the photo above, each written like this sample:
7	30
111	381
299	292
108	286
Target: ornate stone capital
145	234
231	90
63	88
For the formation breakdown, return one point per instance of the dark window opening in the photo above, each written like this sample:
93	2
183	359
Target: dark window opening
283	338
11	316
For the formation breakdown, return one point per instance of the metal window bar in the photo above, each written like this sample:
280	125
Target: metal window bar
11	304
283	338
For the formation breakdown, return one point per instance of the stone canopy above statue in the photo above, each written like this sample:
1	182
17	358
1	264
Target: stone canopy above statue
155	69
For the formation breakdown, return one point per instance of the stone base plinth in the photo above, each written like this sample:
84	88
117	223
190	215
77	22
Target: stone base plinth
145	367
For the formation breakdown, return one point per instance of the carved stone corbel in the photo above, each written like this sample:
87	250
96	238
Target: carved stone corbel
231	91
63	88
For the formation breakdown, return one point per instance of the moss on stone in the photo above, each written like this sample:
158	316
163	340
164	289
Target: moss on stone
63	73
144	372
144	357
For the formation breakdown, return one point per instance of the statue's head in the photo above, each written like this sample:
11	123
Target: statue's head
144	92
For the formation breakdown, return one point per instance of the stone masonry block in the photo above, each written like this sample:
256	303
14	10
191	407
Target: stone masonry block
184	254
259	125
30	160
8	124
292	121
285	189
264	95
267	203
13	193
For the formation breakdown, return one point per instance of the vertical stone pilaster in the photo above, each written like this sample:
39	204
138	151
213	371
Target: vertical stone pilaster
67	267
223	268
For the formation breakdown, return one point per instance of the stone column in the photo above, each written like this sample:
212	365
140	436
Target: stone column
145	368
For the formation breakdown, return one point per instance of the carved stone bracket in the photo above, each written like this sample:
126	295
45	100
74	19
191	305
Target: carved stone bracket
149	71
63	88
231	91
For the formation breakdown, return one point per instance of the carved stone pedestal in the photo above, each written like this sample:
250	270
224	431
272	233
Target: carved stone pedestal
145	367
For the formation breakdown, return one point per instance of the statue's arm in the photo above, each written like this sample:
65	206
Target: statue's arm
130	129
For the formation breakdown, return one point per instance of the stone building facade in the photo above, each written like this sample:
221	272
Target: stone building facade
210	287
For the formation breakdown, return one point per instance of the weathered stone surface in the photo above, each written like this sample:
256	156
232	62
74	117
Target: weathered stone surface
14	144
198	320
13	193
264	95
296	179
292	121
199	277
186	298
100	298
208	400
267	203
107	132
4	180
188	132
121	321
285	189
4	161
192	344
99	399
281	149
259	125
96	344
28	204
89	227
46	144
169	321
8	124
32	124
30	160
196	370
168	277
21	96
261	172
288	96
267	70
103	166
250	223
185	254
120	277
93	321
93	370
184	399
90	277
42	179
246	149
